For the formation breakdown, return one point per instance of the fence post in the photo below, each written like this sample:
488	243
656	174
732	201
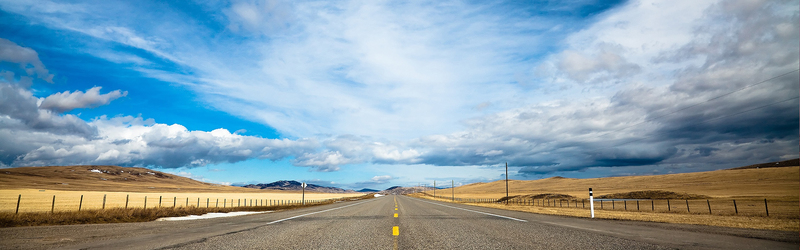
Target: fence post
734	207
53	207
145	202
159	201
217	204
601	204
19	198
613	205
174	201
104	201
637	205
198	202
687	207
207	201
224	203
126	200
669	208
187	201
652	205
591	201
765	207
626	204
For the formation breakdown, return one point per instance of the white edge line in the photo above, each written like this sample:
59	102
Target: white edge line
298	216
505	217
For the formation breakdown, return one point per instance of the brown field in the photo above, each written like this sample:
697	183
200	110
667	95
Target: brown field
111	179
34	200
779	183
119	215
754	222
718	189
38	185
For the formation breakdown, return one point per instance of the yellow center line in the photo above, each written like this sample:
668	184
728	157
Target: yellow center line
396	231
395	215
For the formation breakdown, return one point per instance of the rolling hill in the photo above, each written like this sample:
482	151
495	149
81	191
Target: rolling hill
296	186
105	178
747	182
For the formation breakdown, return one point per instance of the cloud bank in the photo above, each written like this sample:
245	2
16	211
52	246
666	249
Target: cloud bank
367	82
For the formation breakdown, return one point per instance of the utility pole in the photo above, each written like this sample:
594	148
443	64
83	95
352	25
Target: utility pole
304	193
506	183
453	189
434	188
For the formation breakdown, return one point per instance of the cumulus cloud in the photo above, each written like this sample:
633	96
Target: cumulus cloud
66	101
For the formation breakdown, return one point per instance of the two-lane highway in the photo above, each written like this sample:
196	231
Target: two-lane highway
394	222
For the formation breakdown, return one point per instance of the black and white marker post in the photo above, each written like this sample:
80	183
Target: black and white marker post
304	193
591	201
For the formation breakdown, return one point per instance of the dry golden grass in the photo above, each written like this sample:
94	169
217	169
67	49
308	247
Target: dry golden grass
111	179
749	187
117	215
779	183
754	222
34	200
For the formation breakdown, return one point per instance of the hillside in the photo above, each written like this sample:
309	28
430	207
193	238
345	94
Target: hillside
104	178
752	182
296	186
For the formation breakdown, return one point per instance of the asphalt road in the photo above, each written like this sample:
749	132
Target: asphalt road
371	224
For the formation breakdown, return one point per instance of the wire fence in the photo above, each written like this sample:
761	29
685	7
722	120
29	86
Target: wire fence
763	207
74	202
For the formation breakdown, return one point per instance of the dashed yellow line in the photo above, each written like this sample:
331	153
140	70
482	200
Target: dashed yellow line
395	215
395	231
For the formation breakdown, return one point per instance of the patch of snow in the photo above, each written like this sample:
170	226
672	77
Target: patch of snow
378	195
209	216
95	171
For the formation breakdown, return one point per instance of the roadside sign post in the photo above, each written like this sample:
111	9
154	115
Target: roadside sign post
591	201
304	193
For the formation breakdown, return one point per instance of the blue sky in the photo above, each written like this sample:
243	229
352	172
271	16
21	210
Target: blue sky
372	94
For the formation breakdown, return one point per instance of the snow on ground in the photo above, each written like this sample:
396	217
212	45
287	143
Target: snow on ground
209	216
96	171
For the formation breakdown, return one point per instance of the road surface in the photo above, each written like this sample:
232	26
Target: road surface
372	224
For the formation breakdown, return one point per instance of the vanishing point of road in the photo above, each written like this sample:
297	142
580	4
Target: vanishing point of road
393	222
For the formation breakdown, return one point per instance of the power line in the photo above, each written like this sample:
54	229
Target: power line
724	116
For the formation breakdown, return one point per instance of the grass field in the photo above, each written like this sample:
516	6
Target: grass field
718	189
119	215
754	222
779	183
37	200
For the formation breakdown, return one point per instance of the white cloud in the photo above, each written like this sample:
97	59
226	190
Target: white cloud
26	58
66	101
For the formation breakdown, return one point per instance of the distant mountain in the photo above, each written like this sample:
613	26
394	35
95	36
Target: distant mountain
294	185
367	190
398	190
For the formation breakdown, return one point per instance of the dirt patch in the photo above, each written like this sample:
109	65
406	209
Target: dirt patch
653	195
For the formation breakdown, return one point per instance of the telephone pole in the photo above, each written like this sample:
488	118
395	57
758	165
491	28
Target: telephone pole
434	189
506	183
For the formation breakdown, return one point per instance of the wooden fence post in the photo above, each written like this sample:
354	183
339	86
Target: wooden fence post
80	204
126	200
53	207
709	206
187	201
687	207
19	198
637	205
765	207
652	205
207	202
217	204
104	202
669	208
224	202
145	202
734	207
174	201
159	201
